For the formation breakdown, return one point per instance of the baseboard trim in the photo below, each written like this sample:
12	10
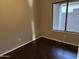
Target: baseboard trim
4	54
60	41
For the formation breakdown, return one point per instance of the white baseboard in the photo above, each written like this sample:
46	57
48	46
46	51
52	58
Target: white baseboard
2	55
60	41
65	43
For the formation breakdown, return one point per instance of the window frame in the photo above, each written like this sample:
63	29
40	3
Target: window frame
67	4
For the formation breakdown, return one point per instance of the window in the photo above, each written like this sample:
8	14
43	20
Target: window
66	16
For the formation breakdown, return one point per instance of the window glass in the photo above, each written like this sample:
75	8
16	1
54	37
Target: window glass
64	20
59	13
73	17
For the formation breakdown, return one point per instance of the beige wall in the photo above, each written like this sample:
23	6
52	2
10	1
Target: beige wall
46	24
36	15
15	24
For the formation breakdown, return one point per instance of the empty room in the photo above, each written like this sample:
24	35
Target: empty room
39	29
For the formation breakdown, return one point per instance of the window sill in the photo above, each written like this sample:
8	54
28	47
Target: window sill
66	32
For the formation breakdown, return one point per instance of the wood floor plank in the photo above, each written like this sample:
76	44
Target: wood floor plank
44	48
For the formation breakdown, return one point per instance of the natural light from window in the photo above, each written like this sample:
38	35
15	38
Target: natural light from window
60	22
30	2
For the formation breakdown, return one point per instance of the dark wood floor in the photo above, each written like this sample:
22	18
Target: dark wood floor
44	48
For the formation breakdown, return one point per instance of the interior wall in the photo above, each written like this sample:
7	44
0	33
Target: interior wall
15	24
36	15
46	24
